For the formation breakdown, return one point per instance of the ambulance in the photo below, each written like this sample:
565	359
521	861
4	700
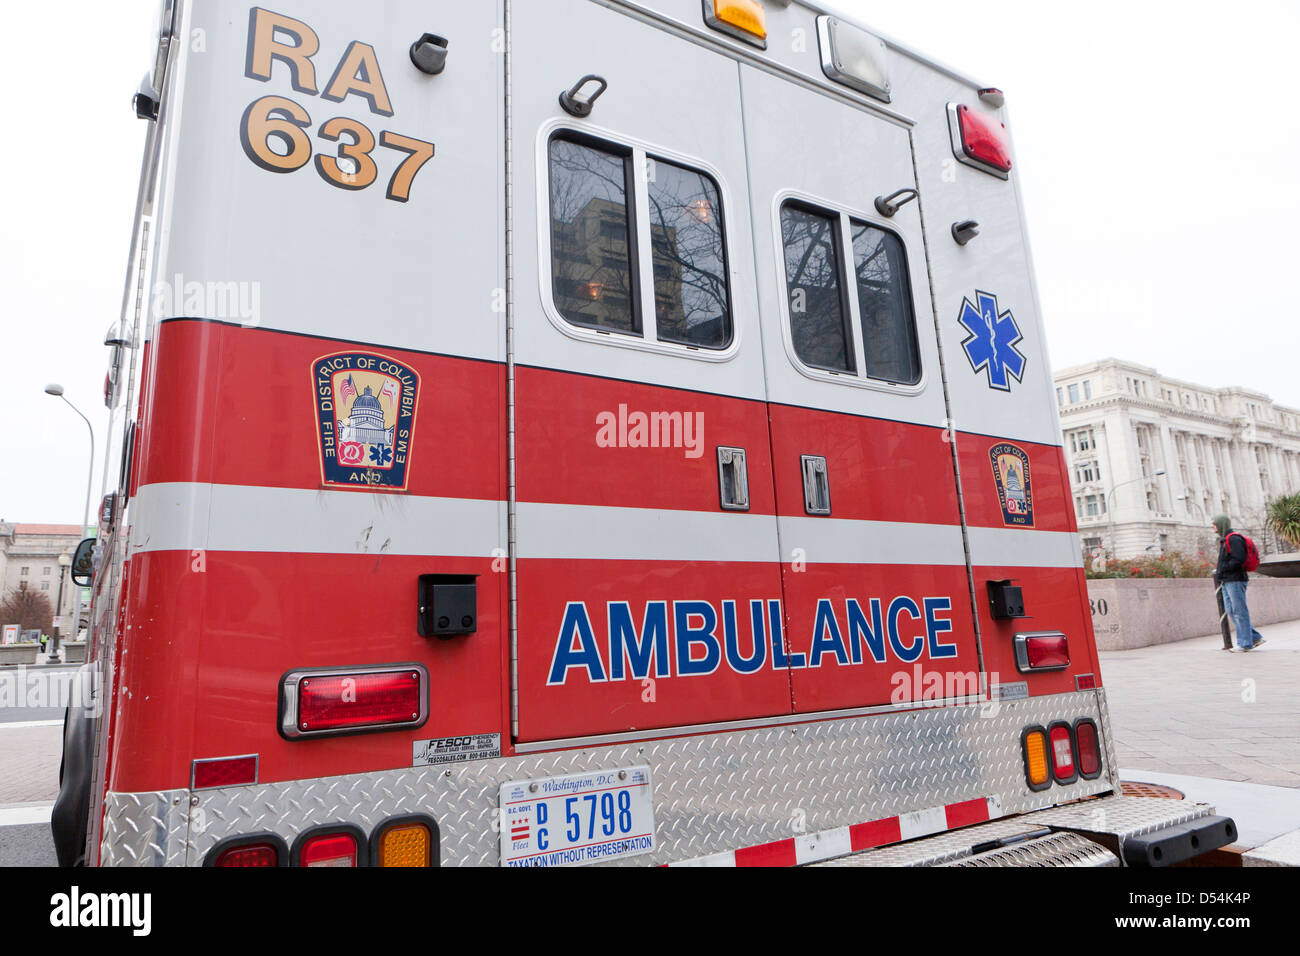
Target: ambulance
570	432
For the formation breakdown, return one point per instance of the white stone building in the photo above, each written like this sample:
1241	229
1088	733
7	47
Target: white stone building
1227	450
29	560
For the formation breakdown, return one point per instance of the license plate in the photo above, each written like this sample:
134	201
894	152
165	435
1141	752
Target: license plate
577	819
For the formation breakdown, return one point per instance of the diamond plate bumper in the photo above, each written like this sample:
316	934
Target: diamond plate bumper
1088	833
713	793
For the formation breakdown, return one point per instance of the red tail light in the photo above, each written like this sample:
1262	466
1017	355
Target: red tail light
1048	651
1061	749
982	140
338	701
336	849
1086	738
249	855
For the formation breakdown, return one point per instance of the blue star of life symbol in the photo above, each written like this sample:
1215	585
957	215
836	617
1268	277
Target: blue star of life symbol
993	340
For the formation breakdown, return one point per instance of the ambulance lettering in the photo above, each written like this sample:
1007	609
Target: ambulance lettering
696	639
273	131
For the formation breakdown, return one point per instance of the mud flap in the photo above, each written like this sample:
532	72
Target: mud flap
71	813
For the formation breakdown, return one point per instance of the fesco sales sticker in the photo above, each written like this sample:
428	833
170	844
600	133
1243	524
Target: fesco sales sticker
577	819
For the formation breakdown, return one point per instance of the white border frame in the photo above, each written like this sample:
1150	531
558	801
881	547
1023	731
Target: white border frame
648	341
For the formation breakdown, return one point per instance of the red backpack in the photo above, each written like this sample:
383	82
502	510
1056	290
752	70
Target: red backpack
1252	552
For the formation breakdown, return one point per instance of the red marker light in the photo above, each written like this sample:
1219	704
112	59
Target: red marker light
225	772
984	139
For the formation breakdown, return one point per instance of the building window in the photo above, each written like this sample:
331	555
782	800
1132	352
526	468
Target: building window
45	585
1087	389
1060	400
25	571
46	570
1074	394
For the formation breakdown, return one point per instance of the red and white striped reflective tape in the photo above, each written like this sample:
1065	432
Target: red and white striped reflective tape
829	844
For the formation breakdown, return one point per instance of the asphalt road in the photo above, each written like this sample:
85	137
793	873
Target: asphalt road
29	845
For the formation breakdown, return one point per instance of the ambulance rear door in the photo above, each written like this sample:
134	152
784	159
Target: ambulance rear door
876	589
648	577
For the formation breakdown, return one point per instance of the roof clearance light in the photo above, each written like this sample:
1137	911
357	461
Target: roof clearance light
1085	734
1062	740
744	19
1048	651
329	849
340	701
854	57
405	845
1034	744
980	140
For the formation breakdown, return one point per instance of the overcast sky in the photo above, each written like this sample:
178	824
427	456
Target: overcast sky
1157	144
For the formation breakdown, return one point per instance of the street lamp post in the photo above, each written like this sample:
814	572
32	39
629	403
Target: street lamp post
65	560
57	392
1110	512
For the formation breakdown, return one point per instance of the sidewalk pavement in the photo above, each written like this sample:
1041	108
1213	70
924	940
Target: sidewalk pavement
29	763
1194	709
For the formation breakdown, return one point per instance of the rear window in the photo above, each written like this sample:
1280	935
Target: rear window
591	237
692	306
677	290
890	352
818	271
818	313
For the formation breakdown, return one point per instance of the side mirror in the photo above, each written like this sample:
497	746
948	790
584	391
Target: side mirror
83	563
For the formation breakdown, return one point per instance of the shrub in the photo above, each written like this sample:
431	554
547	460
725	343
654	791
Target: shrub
1284	518
1172	564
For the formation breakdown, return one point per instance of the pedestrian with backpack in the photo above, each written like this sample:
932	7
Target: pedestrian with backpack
1237	557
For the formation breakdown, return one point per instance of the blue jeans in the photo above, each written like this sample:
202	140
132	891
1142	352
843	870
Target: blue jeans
1234	602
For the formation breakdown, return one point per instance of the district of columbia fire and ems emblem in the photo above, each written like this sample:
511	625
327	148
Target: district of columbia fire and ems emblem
1015	488
992	337
365	408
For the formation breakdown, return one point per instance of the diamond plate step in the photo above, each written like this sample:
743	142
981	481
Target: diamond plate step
1059	849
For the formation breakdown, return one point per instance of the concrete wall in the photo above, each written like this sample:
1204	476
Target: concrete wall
1127	614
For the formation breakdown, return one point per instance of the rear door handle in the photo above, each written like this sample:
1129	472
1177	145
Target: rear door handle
733	479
